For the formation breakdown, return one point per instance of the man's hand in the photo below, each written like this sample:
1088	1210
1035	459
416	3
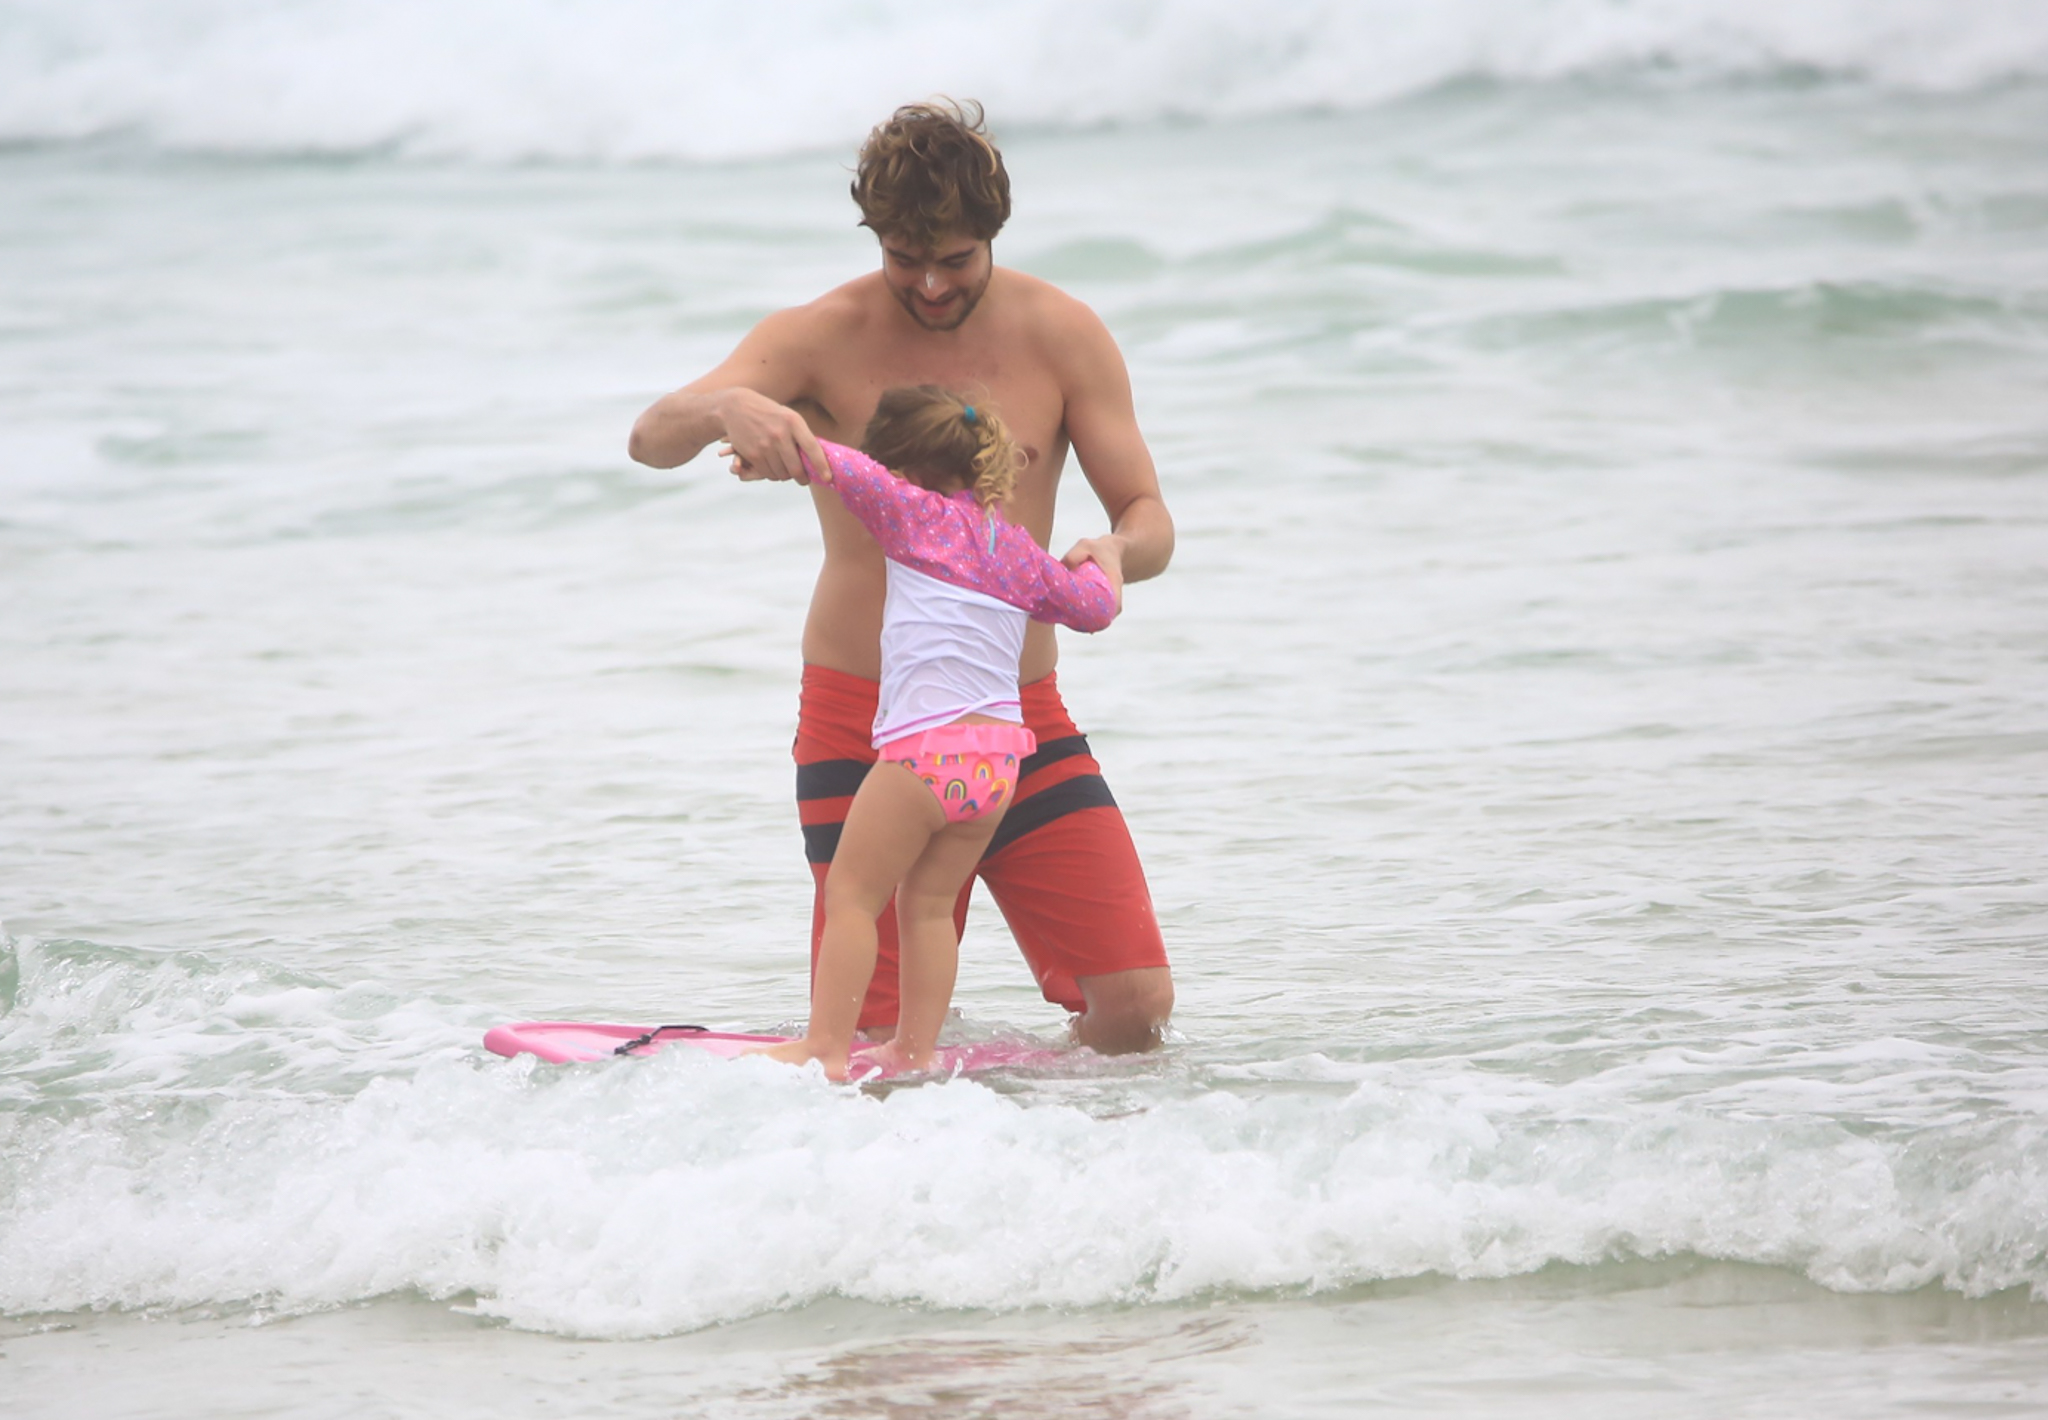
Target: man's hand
1106	552
822	472
765	439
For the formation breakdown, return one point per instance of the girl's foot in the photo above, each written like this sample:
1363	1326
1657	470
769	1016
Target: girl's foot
892	1059
801	1051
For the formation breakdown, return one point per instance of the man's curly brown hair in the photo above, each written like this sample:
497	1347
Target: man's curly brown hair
931	169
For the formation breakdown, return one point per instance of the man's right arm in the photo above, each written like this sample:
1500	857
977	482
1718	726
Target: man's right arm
746	402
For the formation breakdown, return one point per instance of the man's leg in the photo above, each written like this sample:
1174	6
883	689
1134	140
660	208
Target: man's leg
1127	1010
1065	873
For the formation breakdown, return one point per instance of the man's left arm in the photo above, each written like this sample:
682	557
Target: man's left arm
1102	426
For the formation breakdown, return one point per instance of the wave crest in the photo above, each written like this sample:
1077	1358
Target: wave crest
640	79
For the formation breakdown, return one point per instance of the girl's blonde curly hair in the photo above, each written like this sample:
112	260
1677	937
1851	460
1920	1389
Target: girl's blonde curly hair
939	440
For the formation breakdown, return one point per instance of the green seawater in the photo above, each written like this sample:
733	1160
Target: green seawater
1589	754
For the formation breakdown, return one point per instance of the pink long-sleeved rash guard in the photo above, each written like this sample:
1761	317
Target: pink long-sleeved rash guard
962	584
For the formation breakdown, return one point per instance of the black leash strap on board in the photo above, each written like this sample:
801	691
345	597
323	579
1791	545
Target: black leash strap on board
648	1039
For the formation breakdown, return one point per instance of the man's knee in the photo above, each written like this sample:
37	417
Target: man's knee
1126	1010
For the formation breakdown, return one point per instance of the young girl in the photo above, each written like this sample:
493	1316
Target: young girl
949	735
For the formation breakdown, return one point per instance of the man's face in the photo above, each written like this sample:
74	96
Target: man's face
939	285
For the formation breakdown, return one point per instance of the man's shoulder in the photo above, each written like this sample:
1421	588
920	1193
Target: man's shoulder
1060	328
1060	323
840	310
1042	302
838	315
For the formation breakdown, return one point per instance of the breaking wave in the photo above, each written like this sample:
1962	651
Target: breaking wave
180	1134
645	80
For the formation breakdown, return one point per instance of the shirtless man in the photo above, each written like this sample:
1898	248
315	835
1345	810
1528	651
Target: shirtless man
1062	868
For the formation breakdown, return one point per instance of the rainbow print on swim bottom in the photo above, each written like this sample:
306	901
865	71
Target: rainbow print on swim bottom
970	769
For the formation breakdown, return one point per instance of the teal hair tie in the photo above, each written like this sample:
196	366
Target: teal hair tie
970	414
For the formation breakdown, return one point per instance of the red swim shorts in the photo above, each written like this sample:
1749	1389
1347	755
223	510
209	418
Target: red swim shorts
1061	867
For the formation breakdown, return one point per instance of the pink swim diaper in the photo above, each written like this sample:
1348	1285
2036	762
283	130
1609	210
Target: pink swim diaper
970	768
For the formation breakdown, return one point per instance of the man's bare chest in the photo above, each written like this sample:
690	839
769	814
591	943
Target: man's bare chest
1027	396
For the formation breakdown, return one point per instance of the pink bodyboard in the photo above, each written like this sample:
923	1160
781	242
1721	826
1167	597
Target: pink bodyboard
568	1042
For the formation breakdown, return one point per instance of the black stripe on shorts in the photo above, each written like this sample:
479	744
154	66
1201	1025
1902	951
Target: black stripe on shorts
1052	752
840	778
829	779
1083	791
821	841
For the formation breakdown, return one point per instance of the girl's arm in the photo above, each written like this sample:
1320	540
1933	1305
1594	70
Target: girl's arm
1080	597
950	540
894	510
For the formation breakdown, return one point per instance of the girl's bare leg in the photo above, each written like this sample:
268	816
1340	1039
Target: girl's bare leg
929	942
888	827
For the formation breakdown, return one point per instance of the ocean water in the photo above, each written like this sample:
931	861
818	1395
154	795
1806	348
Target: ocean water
1589	751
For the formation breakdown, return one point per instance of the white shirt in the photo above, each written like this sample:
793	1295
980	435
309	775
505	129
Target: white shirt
947	651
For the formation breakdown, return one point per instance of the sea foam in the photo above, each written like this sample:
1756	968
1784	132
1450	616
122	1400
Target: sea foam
657	1196
637	79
